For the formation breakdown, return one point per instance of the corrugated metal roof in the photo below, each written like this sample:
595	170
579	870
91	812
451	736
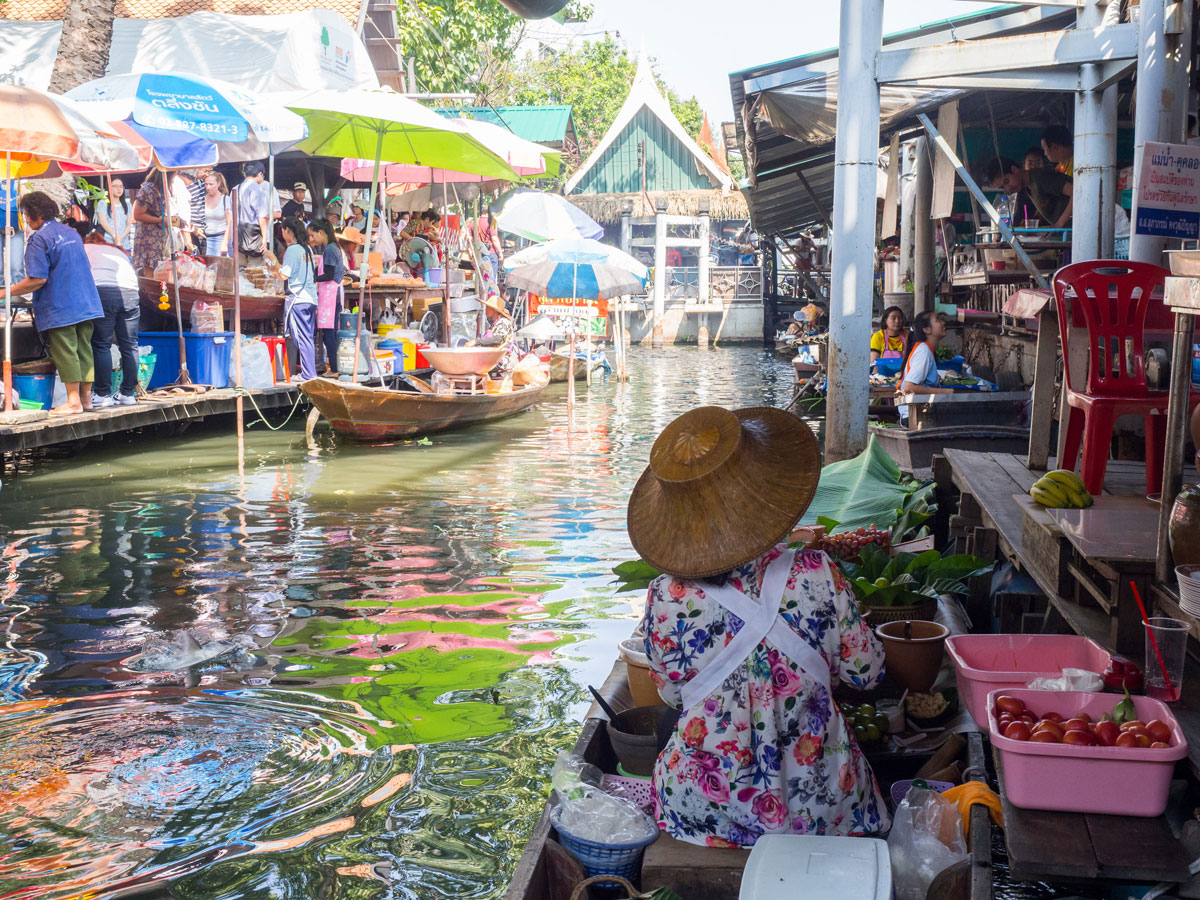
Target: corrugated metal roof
778	200
541	124
670	165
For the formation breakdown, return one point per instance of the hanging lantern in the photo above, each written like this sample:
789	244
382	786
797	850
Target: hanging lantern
534	9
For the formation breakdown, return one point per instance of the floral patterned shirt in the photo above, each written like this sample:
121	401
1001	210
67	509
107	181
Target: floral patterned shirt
769	752
149	241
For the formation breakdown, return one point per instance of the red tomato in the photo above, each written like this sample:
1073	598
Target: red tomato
1046	726
1010	705
1028	718
1133	724
1053	717
1159	745
1005	719
1143	739
1075	724
1107	733
1018	731
1046	736
1083	738
1083	716
1125	739
1159	730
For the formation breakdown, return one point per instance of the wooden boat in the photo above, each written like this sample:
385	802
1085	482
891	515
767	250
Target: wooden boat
253	308
546	871
374	413
559	364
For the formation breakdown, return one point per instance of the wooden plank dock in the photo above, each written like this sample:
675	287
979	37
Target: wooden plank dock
148	412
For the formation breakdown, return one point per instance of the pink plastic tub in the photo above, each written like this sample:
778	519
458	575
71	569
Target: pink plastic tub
1121	781
986	662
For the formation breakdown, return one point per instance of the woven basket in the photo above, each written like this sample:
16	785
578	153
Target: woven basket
920	612
34	367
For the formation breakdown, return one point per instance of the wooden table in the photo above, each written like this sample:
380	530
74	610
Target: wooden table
1058	846
1115	542
389	294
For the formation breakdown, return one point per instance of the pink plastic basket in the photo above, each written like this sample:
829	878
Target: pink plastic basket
987	662
1122	781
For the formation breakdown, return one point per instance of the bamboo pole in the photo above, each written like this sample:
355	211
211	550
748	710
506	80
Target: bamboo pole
8	385
364	264
184	377
237	343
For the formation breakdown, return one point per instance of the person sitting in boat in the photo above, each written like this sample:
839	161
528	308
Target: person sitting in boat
888	342
920	370
748	638
499	333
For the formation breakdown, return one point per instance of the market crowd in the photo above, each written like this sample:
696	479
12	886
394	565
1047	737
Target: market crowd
81	266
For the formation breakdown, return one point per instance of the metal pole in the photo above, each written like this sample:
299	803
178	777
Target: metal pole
571	358
704	281
8	239
660	277
237	342
923	243
1095	152
184	377
1152	114
853	266
1172	446
364	264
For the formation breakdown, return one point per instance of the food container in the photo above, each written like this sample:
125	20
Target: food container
787	866
913	651
1070	778
637	735
986	662
641	687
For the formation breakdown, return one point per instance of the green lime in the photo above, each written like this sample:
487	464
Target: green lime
882	582
873	733
866	711
881	722
860	732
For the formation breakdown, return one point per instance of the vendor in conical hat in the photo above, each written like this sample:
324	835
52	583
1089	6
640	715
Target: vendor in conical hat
748	638
499	332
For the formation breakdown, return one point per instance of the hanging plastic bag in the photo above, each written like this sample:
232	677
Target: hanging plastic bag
385	245
926	839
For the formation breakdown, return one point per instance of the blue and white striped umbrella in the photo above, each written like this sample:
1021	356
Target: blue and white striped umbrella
577	268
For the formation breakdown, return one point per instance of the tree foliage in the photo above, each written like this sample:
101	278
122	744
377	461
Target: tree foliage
594	81
453	42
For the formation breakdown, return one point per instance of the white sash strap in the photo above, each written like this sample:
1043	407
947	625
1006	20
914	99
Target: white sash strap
761	621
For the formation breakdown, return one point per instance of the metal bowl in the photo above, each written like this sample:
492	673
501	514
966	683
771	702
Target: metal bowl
1185	263
464	360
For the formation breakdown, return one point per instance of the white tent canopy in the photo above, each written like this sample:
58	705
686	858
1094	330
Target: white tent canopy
303	51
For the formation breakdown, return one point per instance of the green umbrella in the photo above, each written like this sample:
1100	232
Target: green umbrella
383	125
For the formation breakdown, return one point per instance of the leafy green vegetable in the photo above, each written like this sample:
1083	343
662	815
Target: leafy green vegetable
634	575
907	578
868	490
1124	711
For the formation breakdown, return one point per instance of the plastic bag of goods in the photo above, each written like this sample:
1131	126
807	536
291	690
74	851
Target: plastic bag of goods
926	839
165	272
207	317
592	815
257	369
531	371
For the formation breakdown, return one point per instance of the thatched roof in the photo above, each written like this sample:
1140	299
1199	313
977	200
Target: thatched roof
606	208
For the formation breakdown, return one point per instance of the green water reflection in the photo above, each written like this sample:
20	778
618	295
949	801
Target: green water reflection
414	628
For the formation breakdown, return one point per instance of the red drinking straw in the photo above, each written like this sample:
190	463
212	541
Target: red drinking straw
1149	631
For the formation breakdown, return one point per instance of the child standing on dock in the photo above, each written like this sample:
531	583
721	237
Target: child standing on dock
65	300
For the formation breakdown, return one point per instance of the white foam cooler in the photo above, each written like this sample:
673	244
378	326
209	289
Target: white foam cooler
800	866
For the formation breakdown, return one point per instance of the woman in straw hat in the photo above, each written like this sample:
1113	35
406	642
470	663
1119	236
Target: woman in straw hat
749	638
499	333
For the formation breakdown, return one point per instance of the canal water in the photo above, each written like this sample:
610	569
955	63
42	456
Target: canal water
343	675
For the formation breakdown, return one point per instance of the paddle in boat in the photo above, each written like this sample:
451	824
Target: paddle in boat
368	413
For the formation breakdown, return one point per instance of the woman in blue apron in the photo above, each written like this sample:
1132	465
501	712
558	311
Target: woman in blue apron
749	638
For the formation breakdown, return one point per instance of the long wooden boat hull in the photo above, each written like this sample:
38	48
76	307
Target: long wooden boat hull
253	308
371	413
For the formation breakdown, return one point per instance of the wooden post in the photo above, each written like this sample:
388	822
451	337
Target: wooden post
660	272
1042	415
1177	410
704	282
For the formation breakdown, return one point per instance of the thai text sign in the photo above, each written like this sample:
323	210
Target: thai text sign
1167	200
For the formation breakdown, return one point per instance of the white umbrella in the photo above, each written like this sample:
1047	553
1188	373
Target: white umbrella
540	328
538	216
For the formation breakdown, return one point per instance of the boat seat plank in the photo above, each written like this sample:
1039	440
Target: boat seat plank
693	871
980	475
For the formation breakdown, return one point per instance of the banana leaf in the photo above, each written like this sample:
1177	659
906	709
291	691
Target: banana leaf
867	490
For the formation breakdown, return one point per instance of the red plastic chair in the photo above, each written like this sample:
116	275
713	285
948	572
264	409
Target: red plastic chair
1112	301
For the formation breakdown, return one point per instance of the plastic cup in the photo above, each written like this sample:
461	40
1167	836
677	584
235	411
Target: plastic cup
1171	636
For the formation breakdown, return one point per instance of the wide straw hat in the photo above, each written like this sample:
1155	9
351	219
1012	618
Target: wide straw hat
351	234
494	302
722	487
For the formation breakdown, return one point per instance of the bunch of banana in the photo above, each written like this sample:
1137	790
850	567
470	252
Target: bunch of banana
1061	489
